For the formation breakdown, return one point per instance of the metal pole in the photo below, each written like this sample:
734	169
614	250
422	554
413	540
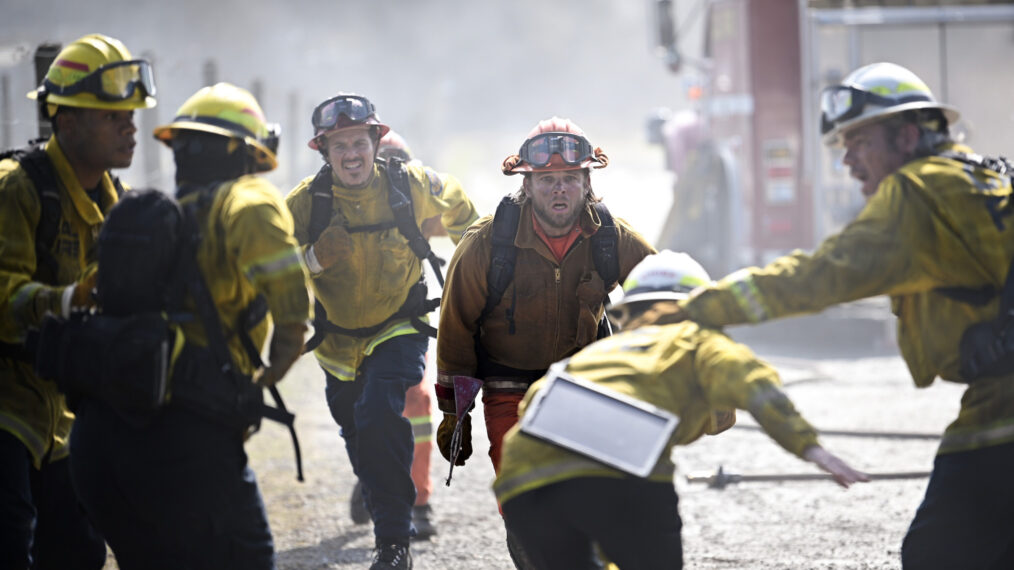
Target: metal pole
859	433
6	120
292	138
149	147
210	72
44	56
720	479
942	27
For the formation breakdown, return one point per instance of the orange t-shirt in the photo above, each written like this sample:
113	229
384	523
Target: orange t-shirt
557	245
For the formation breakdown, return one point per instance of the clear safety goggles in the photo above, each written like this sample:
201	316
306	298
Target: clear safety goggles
356	108
538	151
112	82
843	102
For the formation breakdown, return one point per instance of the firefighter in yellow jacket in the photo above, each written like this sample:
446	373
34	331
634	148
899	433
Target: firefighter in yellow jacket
90	93
558	502
177	492
936	236
359	222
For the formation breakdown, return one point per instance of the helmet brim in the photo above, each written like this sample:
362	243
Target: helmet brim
383	130
652	296
835	137
266	160
89	101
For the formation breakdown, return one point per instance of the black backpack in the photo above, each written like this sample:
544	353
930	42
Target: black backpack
139	254
147	255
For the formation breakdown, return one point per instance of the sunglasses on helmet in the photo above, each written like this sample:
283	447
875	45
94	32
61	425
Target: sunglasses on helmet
843	102
356	108
538	151
111	82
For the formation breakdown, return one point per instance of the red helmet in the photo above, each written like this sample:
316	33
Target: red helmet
393	144
555	144
342	111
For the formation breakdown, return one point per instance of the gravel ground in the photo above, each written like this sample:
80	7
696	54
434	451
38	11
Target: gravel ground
767	525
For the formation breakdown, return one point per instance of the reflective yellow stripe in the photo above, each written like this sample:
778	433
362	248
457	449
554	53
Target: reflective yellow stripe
398	328
749	298
572	467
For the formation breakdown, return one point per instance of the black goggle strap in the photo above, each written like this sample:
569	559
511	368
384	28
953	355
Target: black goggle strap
539	150
858	99
94	84
356	108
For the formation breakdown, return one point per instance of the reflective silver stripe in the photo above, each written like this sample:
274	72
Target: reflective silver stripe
23	295
749	298
24	433
422	429
282	262
505	386
336	370
952	442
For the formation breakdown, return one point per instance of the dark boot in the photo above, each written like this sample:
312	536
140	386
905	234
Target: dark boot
392	556
423	522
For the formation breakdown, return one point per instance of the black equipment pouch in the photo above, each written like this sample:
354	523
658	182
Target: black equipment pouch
987	348
123	361
225	397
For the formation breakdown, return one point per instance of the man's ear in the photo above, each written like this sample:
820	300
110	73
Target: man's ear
907	138
526	182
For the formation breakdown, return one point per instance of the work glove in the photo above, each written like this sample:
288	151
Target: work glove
333	245
721	420
841	472
82	297
445	433
286	346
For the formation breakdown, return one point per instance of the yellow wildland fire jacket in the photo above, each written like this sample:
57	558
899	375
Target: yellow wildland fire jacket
935	223
247	248
381	267
683	368
32	409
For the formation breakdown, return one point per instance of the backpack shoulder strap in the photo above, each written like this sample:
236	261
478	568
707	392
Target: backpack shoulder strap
605	247
503	255
400	200
321	202
36	164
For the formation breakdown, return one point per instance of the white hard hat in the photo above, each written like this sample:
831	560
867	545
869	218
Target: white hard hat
664	276
872	92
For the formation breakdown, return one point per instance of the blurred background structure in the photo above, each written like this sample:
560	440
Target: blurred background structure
728	89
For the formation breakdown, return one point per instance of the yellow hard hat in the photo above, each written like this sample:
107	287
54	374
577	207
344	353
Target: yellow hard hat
230	111
97	72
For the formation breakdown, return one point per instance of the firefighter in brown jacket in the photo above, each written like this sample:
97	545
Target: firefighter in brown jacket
552	303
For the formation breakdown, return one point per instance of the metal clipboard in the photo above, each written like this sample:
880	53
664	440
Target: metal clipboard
599	423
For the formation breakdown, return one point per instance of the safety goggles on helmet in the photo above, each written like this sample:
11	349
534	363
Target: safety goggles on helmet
843	102
115	81
538	151
356	108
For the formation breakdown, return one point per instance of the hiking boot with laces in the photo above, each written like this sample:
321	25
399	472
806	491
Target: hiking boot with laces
391	556
423	522
357	505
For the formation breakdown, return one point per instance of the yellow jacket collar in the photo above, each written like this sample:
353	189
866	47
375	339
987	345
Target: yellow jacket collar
86	208
371	190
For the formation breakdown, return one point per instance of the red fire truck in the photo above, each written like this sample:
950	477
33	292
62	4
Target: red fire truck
753	180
